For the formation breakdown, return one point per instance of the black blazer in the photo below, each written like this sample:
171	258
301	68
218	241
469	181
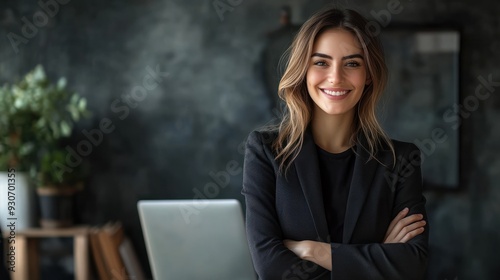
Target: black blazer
290	206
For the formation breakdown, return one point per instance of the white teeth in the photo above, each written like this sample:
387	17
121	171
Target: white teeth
335	93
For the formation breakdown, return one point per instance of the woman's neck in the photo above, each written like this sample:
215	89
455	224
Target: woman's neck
332	133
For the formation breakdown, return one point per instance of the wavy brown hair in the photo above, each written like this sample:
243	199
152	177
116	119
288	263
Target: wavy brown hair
293	88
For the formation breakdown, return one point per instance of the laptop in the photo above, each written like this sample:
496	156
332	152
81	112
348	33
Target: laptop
196	239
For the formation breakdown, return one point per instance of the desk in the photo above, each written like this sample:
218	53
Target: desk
27	251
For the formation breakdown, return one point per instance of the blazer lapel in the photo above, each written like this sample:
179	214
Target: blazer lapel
307	168
362	179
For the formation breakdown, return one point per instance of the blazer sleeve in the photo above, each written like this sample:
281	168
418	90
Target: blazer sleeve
397	260
272	260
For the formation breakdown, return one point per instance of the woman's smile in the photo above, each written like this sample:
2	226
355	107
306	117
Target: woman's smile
335	93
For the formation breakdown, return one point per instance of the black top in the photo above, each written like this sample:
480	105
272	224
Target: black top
336	174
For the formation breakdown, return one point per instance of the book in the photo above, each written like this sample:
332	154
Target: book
97	255
114	254
130	260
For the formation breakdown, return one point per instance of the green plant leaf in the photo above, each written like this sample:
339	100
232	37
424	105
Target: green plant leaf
61	83
82	104
35	114
19	103
26	148
38	74
65	129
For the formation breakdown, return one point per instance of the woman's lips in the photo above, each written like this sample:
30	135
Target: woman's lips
335	93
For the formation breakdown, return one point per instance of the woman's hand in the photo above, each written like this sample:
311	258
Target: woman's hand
314	251
301	248
402	228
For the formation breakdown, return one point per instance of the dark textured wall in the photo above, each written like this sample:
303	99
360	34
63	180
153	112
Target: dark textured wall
171	130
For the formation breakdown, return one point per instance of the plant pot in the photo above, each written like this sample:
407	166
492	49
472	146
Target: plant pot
16	190
57	206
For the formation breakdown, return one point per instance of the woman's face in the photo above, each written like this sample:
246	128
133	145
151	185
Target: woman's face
337	73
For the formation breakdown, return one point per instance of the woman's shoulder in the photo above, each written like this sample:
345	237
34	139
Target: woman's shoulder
402	152
402	147
264	135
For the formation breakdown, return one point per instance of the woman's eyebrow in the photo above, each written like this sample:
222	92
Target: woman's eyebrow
321	55
356	55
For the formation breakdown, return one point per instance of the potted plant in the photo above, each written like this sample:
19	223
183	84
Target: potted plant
56	189
35	115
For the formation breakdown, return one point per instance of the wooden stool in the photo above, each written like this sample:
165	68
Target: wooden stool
27	252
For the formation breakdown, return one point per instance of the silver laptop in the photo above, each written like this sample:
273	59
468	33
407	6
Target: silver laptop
196	239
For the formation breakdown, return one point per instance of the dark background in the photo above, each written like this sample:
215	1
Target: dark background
197	118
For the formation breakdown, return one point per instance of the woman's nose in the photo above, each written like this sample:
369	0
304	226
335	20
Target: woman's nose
335	75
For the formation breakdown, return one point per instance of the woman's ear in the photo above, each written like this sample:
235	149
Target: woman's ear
368	80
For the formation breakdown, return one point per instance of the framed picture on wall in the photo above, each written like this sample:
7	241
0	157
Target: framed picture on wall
419	104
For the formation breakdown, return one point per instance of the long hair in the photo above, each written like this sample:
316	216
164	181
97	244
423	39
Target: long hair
293	89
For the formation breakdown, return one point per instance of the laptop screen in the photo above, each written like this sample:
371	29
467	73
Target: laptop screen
196	239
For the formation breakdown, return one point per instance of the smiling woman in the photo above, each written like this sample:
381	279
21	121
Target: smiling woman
336	76
328	194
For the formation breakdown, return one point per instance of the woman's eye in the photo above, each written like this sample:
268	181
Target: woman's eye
320	63
352	64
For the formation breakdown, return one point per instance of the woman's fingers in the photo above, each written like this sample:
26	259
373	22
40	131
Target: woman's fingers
396	219
300	248
407	237
293	245
407	221
410	231
403	229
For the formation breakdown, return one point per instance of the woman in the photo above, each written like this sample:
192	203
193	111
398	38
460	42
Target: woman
328	194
